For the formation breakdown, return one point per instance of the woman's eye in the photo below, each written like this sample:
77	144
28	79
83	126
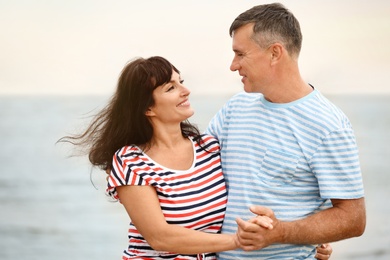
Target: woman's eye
182	81
170	88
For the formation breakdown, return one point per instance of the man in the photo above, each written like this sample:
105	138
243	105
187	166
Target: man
284	146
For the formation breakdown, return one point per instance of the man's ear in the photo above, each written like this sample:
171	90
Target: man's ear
277	51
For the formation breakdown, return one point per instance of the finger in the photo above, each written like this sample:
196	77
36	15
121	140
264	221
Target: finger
325	249
246	244
322	256
262	221
249	248
244	225
262	218
247	226
262	211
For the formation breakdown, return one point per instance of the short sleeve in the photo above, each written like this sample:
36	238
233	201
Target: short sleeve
221	119
215	125
337	168
126	171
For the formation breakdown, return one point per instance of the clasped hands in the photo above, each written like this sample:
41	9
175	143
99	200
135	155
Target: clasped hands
265	229
259	231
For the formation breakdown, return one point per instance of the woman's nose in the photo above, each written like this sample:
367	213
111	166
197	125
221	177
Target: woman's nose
185	91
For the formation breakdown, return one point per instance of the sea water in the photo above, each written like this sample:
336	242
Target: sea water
53	206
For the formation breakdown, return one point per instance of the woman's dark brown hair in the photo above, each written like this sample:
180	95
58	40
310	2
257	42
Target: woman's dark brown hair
123	121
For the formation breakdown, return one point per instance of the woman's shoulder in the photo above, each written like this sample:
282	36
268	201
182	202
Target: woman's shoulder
208	138
129	151
208	141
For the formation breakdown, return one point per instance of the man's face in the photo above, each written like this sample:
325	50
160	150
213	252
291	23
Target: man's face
250	60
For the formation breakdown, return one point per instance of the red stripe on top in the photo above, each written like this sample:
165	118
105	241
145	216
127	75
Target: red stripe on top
197	198
197	185
194	212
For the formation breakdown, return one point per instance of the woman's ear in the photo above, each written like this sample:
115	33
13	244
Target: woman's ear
149	112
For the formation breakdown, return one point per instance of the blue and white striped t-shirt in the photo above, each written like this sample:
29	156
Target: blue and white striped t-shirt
290	157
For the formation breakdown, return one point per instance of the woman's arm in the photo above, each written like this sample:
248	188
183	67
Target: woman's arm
142	205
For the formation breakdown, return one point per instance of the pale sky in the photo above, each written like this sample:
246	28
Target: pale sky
79	47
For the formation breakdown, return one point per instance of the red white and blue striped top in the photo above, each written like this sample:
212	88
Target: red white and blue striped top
194	198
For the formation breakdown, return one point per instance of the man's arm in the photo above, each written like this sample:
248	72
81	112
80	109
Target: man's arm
346	219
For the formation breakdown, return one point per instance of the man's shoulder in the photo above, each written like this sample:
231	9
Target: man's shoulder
244	94
244	98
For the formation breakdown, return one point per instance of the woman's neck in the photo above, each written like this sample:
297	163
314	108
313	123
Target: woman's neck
173	151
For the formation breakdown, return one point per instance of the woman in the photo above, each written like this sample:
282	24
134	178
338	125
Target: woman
166	174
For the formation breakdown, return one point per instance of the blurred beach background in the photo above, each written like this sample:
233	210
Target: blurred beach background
59	62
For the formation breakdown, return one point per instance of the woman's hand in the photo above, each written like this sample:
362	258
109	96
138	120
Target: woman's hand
324	251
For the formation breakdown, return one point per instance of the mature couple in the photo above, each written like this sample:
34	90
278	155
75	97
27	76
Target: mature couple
280	144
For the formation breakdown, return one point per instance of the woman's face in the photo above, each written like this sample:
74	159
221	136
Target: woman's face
171	103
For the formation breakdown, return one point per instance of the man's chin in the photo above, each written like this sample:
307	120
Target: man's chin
248	88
